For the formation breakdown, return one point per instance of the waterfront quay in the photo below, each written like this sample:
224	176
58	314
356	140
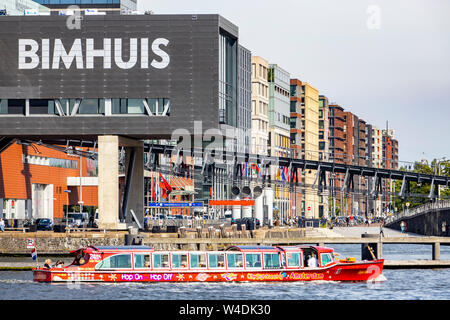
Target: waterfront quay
14	254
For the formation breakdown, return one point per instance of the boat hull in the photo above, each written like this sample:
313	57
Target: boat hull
361	271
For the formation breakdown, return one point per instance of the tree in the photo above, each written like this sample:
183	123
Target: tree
421	188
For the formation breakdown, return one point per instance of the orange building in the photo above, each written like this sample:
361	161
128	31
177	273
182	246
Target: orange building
33	180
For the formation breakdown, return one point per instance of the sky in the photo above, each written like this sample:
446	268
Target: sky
388	62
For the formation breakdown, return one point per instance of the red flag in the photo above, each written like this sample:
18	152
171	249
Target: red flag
166	184
153	189
163	190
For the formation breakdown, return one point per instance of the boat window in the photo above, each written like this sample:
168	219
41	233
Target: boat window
179	260
160	260
216	260
325	258
118	261
271	260
142	261
198	260
293	259
235	260
253	260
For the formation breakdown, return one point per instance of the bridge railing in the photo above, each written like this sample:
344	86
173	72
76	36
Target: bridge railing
442	204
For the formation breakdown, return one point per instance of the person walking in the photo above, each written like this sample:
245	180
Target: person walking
2	225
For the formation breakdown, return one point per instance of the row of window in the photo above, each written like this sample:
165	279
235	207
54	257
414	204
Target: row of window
156	106
51	162
223	260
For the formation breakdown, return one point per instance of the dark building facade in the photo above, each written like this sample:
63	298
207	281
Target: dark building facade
142	76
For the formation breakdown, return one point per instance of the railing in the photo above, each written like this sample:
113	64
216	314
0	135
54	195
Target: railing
188	223
443	204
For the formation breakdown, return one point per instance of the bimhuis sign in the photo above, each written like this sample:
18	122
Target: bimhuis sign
107	57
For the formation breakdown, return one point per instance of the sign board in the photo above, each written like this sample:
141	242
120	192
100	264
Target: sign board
175	204
309	208
31	243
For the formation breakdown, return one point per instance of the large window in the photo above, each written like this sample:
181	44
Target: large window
216	260
42	106
271	260
119	261
227	79
92	106
198	260
141	261
235	260
179	260
293	259
160	260
253	260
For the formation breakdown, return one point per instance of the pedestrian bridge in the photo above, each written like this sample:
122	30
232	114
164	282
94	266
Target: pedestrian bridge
431	219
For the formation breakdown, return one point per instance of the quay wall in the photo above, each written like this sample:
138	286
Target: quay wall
62	243
427	224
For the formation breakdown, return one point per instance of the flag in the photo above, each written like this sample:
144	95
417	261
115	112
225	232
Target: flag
163	190
34	254
153	189
166	184
283	175
156	191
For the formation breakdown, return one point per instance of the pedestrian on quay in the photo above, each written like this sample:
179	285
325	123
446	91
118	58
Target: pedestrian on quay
2	225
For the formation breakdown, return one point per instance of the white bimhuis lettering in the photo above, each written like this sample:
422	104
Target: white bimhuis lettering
118	54
164	56
59	53
91	53
45	54
23	54
28	54
144	53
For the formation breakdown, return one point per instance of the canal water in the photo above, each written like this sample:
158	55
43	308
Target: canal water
403	284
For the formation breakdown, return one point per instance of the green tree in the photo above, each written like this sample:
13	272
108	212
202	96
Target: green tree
421	188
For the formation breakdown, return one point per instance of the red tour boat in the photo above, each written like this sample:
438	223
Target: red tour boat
237	263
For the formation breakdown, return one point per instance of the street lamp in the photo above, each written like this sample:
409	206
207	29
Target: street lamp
67	210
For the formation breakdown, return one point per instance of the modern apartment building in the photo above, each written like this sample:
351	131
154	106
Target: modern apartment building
260	105
279	133
305	140
324	149
244	129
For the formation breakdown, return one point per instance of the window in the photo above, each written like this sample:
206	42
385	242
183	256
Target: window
293	259
321	125
119	261
216	260
160	260
141	261
198	260
235	260
271	260
325	259
42	106
16	106
253	260
179	260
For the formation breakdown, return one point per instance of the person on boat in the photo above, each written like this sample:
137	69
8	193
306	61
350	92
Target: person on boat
59	264
47	263
312	261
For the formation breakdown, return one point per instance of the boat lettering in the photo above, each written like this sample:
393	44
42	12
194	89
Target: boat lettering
264	276
306	276
130	277
95	257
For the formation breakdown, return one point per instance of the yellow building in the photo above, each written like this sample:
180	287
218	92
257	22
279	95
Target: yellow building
260	106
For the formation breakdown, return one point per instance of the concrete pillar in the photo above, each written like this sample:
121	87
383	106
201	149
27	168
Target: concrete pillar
268	192
236	210
108	181
246	210
436	251
259	209
136	190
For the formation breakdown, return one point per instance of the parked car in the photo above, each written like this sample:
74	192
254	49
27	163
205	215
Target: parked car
68	222
44	224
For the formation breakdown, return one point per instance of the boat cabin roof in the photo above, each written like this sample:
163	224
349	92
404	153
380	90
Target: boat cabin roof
114	248
253	249
317	248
